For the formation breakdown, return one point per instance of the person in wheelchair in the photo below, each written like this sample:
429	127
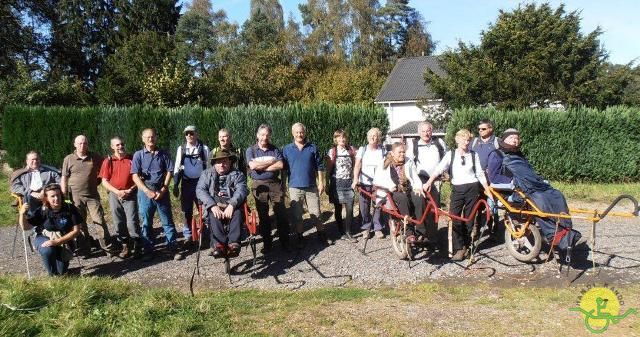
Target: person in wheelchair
56	224
222	189
509	165
399	176
29	182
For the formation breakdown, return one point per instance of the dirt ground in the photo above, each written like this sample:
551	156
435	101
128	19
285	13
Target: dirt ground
616	256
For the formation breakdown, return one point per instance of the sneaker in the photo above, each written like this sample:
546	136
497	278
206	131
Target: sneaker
177	254
379	235
348	237
366	234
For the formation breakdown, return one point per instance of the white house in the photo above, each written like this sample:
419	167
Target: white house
401	92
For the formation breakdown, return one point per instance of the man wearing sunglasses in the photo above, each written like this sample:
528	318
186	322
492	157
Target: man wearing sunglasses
116	178
486	143
191	160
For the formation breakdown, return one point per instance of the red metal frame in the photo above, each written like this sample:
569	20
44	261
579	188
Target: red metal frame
431	207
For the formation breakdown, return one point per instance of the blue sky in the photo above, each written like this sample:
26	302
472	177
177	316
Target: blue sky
463	20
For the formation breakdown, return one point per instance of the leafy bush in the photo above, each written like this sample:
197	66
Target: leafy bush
51	130
580	144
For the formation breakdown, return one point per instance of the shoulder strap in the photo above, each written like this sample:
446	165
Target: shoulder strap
184	153
415	151
473	161
438	143
453	153
201	154
110	158
474	142
496	144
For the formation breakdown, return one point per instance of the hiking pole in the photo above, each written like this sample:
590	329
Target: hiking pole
196	269
24	237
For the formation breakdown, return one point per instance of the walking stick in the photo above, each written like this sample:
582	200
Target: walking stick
24	236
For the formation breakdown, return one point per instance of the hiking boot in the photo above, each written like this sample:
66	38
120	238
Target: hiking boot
177	254
379	235
300	243
459	255
234	249
124	253
218	251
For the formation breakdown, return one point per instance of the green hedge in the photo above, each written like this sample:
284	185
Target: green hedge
580	144
51	130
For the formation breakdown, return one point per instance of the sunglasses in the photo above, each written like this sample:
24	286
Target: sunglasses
121	144
189	133
483	129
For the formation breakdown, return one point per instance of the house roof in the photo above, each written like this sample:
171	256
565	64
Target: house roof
410	130
406	81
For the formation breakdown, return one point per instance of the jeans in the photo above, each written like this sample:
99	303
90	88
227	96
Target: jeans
52	257
187	201
365	204
309	196
147	209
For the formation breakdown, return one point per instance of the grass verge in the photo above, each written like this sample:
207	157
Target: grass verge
103	307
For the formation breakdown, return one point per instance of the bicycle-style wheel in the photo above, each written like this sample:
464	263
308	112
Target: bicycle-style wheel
522	238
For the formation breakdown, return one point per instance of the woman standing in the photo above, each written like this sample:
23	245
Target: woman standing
368	159
467	179
340	167
56	224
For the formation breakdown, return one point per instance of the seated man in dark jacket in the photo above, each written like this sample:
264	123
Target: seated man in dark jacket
514	166
222	189
30	181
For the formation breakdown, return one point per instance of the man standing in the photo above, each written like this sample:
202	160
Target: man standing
191	159
222	190
484	144
30	181
427	153
305	168
116	178
265	164
151	168
80	178
224	139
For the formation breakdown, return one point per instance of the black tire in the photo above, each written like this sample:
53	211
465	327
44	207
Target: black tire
398	239
527	247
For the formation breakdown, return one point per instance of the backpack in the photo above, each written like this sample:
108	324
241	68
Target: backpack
473	163
475	141
201	155
384	151
435	141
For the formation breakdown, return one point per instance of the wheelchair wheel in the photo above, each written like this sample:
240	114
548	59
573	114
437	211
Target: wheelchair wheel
397	239
523	247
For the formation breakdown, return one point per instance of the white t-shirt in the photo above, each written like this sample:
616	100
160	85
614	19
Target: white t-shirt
428	156
371	160
36	181
192	163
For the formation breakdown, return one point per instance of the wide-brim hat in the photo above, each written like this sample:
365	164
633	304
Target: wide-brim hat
221	154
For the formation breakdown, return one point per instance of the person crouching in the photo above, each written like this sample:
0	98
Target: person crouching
222	189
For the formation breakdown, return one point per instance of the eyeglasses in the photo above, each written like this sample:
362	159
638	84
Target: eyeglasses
189	133
463	161
483	129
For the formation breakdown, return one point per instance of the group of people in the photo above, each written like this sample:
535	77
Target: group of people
215	179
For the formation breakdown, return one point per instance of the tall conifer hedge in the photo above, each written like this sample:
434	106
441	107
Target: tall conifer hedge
580	144
51	130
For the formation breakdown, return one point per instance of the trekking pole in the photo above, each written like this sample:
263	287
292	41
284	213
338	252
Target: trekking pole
24	237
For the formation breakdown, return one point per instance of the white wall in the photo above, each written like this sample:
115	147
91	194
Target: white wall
400	114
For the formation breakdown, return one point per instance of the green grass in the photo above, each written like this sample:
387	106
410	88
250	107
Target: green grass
590	192
104	307
8	215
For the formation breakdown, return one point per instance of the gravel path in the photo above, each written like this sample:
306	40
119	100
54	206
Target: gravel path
617	256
